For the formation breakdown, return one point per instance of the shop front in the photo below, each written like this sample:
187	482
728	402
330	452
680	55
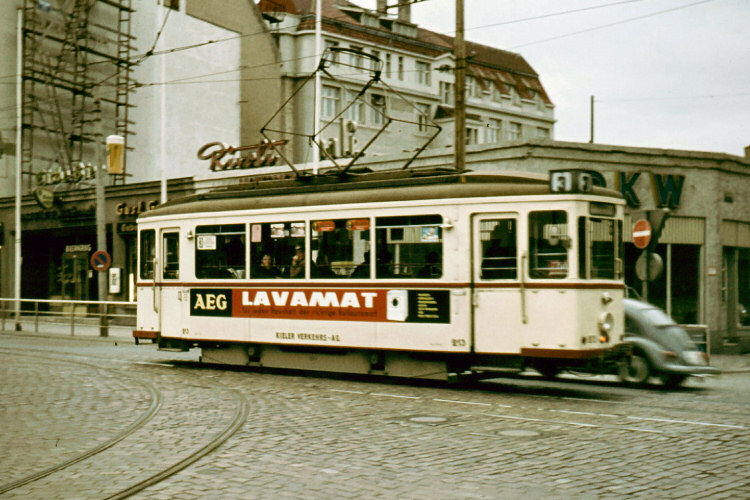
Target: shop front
59	239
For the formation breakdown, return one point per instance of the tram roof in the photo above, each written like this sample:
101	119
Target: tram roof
368	187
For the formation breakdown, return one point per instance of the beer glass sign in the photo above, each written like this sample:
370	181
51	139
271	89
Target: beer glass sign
115	154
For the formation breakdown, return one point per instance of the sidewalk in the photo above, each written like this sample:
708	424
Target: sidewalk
731	363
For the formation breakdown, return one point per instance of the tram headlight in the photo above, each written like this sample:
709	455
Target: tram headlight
606	323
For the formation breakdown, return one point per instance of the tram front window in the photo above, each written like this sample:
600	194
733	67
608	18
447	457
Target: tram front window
548	244
220	251
598	245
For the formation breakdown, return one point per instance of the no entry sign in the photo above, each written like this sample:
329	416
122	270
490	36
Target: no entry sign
641	234
100	260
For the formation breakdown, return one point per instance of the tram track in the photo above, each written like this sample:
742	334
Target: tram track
240	414
145	417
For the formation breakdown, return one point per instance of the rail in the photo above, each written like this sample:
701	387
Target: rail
76	317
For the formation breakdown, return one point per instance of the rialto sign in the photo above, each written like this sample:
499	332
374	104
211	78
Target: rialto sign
225	157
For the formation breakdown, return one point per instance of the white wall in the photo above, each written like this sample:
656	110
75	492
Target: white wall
199	108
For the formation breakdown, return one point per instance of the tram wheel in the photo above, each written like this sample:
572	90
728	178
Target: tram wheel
547	370
635	370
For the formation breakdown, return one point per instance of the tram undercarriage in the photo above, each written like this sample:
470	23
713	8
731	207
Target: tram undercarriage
397	364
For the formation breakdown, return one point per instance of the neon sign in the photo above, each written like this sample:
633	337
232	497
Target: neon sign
226	157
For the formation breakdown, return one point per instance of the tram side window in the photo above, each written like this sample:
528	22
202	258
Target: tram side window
340	248
147	254
277	250
409	247
499	249
598	242
548	244
220	251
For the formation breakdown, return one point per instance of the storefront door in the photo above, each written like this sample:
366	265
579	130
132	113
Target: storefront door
75	276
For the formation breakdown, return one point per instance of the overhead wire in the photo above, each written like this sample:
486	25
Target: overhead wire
150	53
615	23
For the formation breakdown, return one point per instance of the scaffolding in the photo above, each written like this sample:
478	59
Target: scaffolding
76	58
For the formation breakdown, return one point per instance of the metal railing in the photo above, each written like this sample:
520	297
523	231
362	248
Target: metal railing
76	317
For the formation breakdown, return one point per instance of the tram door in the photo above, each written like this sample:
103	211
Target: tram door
497	276
170	295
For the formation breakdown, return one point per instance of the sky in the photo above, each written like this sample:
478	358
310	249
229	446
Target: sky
669	74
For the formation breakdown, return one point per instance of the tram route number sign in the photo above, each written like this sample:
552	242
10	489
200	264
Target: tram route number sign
100	260
641	234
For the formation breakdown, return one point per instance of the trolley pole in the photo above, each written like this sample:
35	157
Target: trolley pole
459	48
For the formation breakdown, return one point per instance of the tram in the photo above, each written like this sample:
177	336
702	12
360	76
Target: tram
410	273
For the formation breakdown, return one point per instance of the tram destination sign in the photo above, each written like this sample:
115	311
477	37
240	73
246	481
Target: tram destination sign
571	181
409	306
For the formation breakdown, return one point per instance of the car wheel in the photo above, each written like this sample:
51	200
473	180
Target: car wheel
635	370
670	380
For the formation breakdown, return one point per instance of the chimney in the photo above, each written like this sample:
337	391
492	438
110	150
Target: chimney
382	6
404	10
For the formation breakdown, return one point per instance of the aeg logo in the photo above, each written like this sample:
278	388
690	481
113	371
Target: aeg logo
210	302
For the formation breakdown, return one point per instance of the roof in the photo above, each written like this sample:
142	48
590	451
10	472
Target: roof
502	67
375	187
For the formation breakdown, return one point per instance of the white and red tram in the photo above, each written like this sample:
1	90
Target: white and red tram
408	274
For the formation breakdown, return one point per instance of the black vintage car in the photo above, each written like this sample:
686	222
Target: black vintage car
661	348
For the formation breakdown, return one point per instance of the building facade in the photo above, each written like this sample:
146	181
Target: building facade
505	98
167	75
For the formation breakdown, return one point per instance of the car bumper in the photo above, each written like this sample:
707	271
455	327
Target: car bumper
689	370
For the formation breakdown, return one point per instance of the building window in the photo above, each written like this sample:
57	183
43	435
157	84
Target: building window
472	136
330	101
334	56
471	87
423	73
542	133
388	69
355	59
378	109
423	116
374	65
356	112
172	4
497	96
401	67
514	133
493	131
446	93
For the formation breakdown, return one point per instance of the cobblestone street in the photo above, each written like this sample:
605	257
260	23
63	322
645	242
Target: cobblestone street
303	436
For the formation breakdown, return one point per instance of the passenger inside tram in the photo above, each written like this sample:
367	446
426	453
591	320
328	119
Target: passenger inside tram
267	269
297	268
